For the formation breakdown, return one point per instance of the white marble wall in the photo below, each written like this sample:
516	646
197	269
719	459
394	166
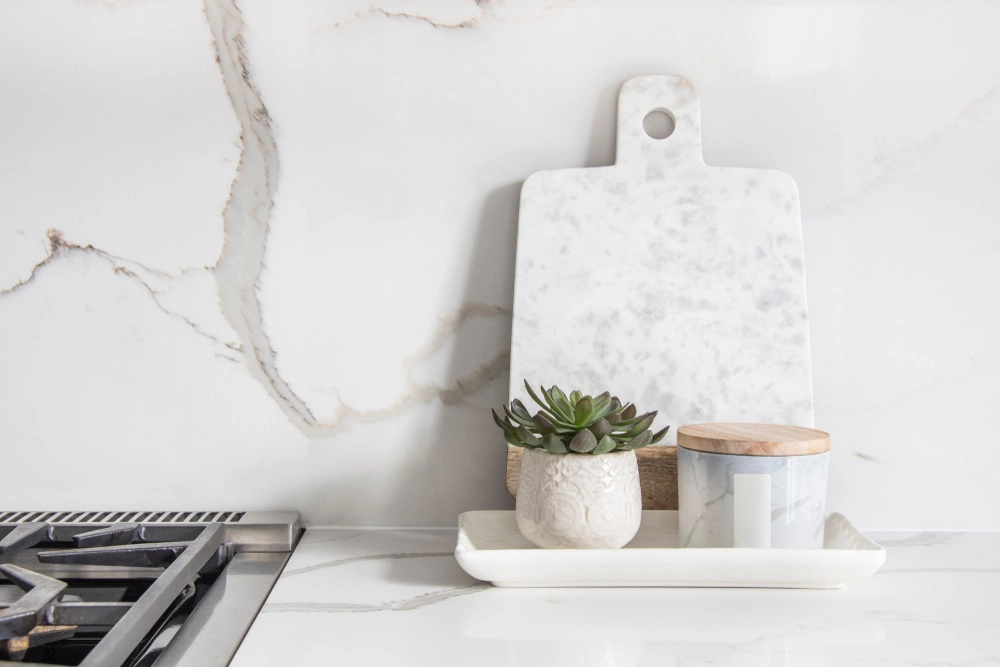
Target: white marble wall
261	256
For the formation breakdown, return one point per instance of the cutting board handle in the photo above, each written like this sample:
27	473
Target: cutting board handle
671	93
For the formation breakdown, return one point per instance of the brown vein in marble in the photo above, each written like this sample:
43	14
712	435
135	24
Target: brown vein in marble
416	393
360	559
247	213
467	23
478	11
60	247
394	605
246	220
476	6
246	225
56	247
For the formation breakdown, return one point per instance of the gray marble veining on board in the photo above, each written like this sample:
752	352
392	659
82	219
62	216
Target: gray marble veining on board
676	285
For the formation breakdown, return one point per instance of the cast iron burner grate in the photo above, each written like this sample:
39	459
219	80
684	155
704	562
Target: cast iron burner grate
110	589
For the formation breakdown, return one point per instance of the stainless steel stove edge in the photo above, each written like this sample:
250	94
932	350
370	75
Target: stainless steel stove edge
265	532
214	631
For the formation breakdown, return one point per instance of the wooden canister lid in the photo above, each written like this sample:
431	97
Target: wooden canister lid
753	439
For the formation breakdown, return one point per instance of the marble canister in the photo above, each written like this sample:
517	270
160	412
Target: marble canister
762	483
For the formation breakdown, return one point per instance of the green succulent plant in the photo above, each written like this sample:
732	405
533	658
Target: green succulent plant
577	423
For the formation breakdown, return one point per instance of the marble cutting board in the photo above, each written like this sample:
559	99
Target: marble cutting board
673	284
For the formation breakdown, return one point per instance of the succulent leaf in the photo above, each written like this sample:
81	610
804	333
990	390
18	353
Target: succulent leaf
602	406
515	419
631	422
558	410
527	437
577	423
507	428
562	400
644	423
531	392
583	410
517	407
583	442
639	441
604	445
554	444
542	404
601	428
659	436
543	424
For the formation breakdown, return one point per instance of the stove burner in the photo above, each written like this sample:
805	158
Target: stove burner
18	619
40	617
23	536
127	589
121	533
156	554
16	648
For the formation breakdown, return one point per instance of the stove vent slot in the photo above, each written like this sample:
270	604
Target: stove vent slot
121	517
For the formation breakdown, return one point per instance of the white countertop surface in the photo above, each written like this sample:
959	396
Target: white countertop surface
397	597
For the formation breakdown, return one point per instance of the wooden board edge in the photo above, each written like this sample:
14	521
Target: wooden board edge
657	475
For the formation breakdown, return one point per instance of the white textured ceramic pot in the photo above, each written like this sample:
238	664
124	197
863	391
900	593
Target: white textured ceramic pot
579	501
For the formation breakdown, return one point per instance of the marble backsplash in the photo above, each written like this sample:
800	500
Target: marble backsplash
260	255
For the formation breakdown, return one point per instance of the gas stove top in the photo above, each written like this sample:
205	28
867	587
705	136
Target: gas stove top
135	589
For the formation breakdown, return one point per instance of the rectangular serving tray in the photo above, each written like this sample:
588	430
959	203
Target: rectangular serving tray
491	548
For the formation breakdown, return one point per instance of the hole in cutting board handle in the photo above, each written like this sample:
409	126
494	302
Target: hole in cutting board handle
658	124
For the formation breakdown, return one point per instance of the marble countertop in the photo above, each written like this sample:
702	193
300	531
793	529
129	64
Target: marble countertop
397	597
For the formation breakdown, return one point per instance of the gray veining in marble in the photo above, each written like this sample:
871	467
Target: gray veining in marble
359	559
936	609
673	284
395	605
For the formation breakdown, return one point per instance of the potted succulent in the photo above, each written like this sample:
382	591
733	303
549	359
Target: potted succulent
579	483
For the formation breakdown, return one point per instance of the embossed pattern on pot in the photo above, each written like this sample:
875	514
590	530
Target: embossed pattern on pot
575	501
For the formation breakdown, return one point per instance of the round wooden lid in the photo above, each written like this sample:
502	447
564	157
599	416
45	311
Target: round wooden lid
753	439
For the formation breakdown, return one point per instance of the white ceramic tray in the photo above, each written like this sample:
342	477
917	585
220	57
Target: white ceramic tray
491	548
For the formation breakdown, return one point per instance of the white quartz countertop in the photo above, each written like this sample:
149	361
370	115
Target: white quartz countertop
397	597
